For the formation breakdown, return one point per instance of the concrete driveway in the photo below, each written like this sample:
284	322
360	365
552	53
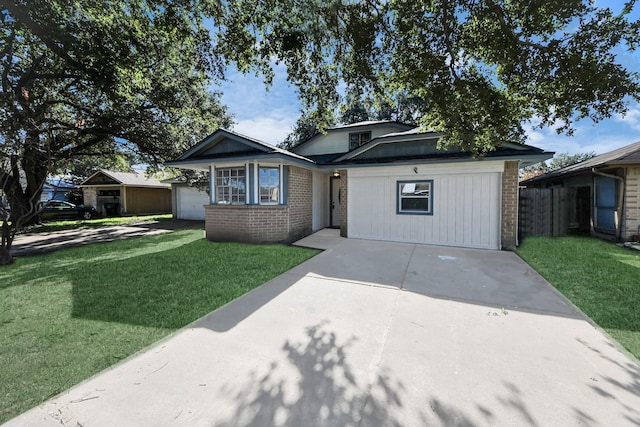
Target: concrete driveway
373	334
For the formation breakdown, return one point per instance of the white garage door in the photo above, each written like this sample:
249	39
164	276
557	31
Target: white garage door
190	203
465	205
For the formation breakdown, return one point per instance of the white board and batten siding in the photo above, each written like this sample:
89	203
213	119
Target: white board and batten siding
190	203
466	204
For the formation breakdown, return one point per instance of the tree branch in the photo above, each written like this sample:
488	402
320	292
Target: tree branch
41	33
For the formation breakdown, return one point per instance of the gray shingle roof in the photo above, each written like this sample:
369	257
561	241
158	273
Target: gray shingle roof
624	155
132	179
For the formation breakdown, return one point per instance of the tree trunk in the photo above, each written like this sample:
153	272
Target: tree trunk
5	256
23	201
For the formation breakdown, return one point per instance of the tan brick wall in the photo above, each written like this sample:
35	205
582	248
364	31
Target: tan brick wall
509	226
246	223
344	223
300	202
632	203
262	224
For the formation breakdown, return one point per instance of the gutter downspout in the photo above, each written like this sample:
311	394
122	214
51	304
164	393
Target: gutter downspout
620	199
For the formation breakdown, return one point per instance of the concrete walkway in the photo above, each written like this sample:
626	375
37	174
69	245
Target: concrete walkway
373	334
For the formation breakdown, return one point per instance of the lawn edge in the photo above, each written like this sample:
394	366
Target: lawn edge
592	322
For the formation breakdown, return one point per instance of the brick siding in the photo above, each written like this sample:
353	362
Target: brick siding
632	203
265	223
300	202
344	204
509	226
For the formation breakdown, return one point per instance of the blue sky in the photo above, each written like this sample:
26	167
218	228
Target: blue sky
270	115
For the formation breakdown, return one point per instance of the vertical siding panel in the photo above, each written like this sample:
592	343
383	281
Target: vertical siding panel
468	210
446	209
391	208
477	217
460	206
485	212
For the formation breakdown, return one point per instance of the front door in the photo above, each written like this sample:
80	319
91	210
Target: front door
336	208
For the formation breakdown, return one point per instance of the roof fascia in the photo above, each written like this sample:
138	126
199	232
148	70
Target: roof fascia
223	133
99	171
535	158
184	164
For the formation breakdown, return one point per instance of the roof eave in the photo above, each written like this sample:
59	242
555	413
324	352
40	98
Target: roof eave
203	163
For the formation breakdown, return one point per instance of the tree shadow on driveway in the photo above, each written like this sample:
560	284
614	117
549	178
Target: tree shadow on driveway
317	387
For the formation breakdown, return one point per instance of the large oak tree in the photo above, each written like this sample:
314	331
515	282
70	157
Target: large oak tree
479	68
90	78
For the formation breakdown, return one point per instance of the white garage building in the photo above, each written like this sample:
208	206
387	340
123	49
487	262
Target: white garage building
187	202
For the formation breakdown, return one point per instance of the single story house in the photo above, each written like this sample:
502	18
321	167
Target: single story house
56	189
378	180
604	192
126	193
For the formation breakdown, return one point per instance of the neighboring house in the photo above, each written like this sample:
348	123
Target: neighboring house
126	193
56	189
187	202
374	180
604	192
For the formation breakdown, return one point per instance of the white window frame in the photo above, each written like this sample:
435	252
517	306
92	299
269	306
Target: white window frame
233	194
277	186
422	194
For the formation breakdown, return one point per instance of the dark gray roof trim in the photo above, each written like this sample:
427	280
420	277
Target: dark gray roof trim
405	146
259	149
628	154
242	157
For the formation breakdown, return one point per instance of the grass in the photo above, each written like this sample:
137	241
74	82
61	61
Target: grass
599	277
67	315
50	226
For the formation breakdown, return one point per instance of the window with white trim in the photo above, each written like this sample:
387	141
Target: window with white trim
415	197
269	185
231	186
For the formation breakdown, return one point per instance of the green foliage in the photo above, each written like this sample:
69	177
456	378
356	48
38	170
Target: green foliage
358	108
86	78
70	314
599	277
479	69
557	162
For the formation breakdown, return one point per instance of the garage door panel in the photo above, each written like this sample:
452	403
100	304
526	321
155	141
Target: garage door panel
190	203
465	210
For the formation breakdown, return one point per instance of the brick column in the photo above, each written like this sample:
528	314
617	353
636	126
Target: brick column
509	226
344	205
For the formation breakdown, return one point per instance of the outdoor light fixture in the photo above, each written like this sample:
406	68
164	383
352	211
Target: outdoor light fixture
336	174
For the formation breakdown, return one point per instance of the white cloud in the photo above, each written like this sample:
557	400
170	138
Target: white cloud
267	114
631	119
272	129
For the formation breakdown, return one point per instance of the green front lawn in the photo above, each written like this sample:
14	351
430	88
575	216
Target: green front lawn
67	315
71	224
599	277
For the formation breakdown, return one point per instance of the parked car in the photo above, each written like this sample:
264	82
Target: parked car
56	209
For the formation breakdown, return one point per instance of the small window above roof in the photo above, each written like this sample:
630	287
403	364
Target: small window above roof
356	139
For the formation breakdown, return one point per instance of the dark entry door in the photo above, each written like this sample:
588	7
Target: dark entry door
336	203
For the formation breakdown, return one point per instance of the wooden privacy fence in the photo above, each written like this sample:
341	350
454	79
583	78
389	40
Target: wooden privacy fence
543	212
